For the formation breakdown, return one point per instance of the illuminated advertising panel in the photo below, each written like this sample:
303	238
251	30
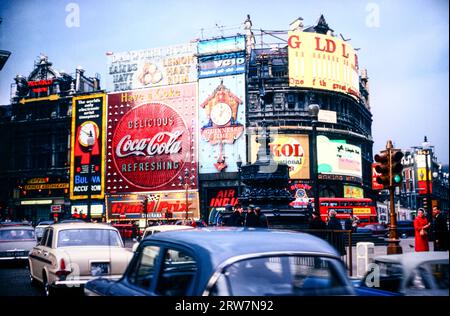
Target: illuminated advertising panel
221	64
353	192
221	123
152	67
338	158
290	149
322	62
161	205
87	160
152	139
375	174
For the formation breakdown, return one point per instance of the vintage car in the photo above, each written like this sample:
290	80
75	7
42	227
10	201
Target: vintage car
410	274
229	261
70	254
158	229
16	241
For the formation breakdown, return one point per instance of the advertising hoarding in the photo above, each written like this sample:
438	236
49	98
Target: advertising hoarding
337	157
87	161
152	67
221	65
322	62
353	192
152	139
221	123
161	205
290	149
221	45
375	174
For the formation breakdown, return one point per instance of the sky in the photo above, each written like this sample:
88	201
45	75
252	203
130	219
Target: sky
403	44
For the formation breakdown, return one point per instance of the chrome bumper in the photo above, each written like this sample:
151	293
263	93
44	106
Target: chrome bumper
73	282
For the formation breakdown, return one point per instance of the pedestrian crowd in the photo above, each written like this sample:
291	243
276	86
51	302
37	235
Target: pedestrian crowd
252	217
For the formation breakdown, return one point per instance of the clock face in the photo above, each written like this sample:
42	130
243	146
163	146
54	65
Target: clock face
86	129
221	114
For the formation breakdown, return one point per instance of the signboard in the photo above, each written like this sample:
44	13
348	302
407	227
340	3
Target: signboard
375	174
40	85
96	209
423	189
327	116
353	192
87	161
290	149
46	186
55	208
421	161
221	45
337	157
152	139
222	197
221	65
301	192
160	205
152	67
361	211
422	174
322	62
221	123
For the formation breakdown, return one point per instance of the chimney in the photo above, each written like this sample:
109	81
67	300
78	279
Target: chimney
79	74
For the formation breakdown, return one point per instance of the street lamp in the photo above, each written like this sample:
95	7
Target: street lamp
426	149
313	110
186	180
90	142
239	165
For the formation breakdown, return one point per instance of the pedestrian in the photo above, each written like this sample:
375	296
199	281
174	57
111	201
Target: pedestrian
336	238
236	218
251	219
421	226
348	224
440	230
316	222
262	219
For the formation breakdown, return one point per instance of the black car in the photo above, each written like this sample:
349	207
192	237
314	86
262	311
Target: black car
405	229
229	261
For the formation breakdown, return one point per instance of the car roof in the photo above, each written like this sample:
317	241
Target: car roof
221	243
9	227
163	228
410	260
45	223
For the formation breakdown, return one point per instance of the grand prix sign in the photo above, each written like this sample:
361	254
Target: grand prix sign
151	140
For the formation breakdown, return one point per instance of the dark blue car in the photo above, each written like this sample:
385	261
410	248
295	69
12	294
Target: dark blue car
225	261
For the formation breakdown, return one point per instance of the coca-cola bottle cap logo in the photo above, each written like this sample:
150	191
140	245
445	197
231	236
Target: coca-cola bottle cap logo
150	145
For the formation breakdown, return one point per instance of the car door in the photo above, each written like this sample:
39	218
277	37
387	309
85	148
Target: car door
36	257
139	277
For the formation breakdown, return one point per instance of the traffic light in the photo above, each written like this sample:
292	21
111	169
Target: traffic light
383	167
396	167
144	205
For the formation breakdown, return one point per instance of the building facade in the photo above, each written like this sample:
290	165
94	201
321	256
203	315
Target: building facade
34	166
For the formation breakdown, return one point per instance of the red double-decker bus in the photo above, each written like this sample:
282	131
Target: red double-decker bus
363	208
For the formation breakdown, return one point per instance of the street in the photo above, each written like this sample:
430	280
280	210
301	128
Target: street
15	280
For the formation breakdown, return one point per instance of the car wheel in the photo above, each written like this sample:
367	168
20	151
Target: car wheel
33	281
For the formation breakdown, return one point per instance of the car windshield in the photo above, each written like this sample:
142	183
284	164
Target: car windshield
88	237
16	234
286	275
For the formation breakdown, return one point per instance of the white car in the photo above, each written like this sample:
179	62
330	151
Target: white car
157	229
16	241
71	254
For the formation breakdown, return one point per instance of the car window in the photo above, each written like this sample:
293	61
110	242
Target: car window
143	272
49	241
386	276
88	237
440	273
16	234
418	280
177	272
287	275
44	238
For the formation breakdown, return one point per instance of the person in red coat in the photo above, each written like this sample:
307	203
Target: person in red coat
421	224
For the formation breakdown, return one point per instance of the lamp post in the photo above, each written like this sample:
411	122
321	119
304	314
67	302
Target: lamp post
313	110
426	150
90	142
239	166
185	180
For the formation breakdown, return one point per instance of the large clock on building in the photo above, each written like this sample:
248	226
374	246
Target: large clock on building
86	129
221	114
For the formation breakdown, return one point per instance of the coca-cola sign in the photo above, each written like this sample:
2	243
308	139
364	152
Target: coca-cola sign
151	143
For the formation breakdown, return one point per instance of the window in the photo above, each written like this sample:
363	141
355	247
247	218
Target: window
143	273
440	274
178	271
287	275
49	241
44	238
89	237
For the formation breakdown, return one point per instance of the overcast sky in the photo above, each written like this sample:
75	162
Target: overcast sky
403	44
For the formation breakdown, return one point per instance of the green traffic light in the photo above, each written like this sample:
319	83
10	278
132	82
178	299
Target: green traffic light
397	178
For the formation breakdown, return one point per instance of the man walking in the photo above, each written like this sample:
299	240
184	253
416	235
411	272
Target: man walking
440	230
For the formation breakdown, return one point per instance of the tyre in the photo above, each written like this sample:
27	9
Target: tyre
48	289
